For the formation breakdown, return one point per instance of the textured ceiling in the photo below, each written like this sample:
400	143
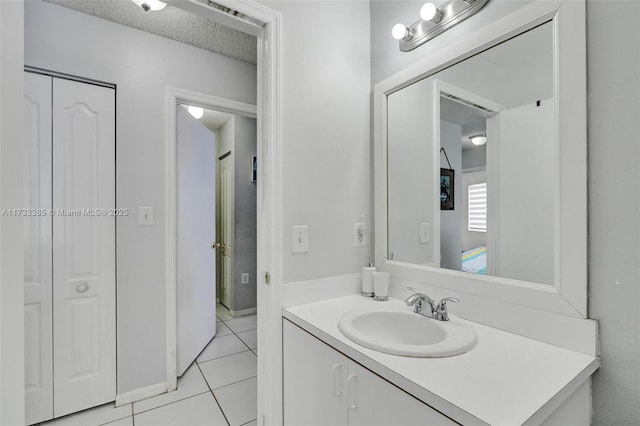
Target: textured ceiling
172	23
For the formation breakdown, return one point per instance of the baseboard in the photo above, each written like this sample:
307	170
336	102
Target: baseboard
140	394
242	312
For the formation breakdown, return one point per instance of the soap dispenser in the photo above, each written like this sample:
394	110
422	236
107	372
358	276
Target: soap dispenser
367	279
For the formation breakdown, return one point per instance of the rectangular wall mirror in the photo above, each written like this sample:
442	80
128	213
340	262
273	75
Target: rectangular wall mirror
503	195
481	163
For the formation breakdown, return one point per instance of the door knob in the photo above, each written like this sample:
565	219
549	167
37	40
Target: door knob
82	287
215	245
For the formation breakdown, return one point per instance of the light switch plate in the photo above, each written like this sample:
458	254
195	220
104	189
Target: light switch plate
145	216
300	239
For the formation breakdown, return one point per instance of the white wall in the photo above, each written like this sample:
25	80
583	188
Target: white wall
450	237
613	37
475	158
141	65
326	146
387	59
11	197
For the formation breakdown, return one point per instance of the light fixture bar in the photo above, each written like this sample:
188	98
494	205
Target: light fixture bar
449	14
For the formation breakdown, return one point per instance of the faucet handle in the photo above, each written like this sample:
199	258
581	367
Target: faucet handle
441	309
444	301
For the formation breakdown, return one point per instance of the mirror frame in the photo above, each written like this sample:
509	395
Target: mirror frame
568	295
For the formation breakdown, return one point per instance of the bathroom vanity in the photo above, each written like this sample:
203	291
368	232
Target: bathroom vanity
506	379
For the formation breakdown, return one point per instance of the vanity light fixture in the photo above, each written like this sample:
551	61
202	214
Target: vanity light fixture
478	140
150	5
197	112
434	21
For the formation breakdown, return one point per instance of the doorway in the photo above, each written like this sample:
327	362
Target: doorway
216	210
223	130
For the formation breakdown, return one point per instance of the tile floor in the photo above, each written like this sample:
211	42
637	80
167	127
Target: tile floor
218	389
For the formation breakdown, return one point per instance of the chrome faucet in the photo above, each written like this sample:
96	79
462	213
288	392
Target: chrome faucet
437	311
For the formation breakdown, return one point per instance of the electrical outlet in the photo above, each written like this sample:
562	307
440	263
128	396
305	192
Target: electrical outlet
244	278
300	239
359	235
425	233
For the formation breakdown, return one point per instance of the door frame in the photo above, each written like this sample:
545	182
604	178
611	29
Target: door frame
269	195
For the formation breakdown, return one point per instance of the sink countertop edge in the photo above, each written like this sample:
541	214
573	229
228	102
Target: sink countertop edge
321	320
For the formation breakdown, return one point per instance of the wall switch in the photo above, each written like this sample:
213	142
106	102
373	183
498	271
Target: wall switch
300	239
425	233
244	278
145	216
359	235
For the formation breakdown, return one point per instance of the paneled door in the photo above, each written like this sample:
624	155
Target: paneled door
196	233
38	313
226	218
83	246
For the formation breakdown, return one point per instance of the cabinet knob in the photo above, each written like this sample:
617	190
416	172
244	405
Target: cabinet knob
82	287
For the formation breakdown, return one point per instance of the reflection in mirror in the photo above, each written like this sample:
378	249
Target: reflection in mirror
491	209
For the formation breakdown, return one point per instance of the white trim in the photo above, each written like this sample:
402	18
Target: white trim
140	394
569	295
174	96
269	206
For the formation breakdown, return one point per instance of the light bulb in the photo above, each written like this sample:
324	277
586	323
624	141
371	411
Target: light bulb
478	139
399	31
197	112
150	5
429	12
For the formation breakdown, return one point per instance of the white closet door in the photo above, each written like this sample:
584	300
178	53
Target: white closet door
83	246
38	315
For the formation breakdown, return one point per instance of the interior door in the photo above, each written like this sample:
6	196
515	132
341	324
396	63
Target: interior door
83	246
196	205
226	228
38	309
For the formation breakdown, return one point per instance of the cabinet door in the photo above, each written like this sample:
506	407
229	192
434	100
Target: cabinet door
38	313
314	377
84	338
373	401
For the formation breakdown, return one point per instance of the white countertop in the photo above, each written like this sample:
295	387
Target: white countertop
505	379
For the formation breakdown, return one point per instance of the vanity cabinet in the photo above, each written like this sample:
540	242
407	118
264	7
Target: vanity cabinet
324	387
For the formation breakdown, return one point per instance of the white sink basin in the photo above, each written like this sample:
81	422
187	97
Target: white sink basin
406	333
